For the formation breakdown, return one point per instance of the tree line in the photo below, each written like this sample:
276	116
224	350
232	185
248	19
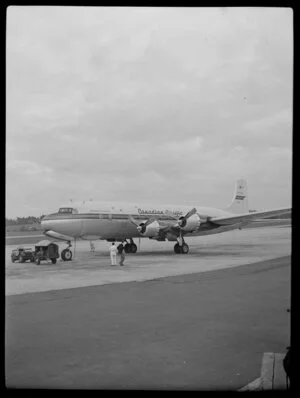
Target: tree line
23	220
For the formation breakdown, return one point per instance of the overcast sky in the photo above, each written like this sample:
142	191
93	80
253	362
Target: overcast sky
150	105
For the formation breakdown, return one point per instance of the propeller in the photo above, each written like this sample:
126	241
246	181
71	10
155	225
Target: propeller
181	222
141	227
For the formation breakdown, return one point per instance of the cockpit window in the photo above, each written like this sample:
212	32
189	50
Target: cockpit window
65	210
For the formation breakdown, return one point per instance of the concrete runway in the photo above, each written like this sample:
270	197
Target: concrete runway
70	325
153	260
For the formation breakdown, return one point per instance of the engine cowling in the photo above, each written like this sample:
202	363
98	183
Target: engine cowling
191	224
151	230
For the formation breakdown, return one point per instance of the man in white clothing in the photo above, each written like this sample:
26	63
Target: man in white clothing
113	254
92	246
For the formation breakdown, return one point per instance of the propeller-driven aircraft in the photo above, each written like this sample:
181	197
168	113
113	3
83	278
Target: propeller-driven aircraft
125	221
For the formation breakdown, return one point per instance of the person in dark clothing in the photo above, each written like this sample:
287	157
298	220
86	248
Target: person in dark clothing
121	251
287	366
287	363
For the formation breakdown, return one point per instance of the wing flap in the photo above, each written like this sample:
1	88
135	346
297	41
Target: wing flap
249	217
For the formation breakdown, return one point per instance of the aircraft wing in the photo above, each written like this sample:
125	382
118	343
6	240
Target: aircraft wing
249	217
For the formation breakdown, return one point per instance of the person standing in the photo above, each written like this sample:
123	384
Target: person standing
113	254
92	246
121	251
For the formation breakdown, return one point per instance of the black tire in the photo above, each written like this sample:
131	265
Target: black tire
12	260
53	260
177	248
133	248
38	261
185	248
127	248
21	259
66	255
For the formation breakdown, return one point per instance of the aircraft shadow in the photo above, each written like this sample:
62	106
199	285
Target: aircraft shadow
167	253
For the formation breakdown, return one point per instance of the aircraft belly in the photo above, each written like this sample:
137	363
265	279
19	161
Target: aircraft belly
109	229
121	229
93	227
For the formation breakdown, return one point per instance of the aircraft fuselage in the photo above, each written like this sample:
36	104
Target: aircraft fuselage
99	220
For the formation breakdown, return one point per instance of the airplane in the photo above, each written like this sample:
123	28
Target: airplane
121	221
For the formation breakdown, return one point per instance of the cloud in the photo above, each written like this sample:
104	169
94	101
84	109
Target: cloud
281	119
184	146
147	103
281	152
27	167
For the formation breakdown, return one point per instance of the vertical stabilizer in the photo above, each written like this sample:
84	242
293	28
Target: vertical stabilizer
239	202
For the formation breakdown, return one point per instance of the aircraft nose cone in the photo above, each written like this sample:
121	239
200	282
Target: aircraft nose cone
46	224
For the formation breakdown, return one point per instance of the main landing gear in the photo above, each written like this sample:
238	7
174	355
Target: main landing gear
130	247
66	254
181	249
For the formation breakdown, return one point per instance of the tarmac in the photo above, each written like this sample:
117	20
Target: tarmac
202	321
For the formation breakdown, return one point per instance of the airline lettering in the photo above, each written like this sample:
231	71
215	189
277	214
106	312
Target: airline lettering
156	211
153	211
239	197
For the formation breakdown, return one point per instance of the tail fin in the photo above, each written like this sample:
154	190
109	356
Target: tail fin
239	202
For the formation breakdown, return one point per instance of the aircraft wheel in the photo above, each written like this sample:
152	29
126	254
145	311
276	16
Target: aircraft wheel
133	248
37	261
53	260
177	248
22	260
127	248
66	255
185	249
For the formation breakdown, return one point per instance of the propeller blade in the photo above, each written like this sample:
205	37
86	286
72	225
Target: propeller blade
149	221
141	227
190	213
182	221
133	221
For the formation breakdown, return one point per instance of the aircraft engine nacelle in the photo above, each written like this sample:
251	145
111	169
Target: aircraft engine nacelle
191	224
151	230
